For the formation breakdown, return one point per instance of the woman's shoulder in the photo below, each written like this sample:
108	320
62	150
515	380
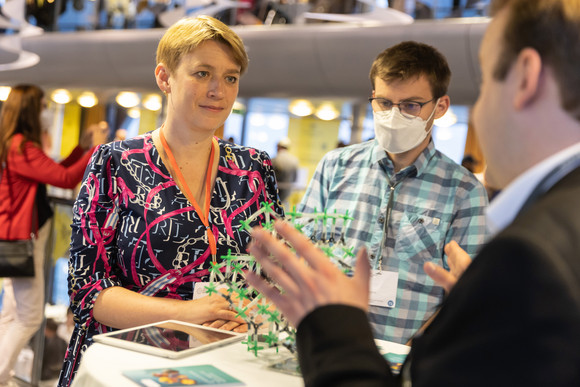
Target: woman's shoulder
229	149
124	147
20	146
19	138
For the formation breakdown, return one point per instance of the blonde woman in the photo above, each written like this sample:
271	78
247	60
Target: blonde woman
156	210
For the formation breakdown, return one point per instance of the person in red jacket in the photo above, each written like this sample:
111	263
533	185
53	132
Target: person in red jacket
25	211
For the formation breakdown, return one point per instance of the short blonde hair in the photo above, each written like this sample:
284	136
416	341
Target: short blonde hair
188	33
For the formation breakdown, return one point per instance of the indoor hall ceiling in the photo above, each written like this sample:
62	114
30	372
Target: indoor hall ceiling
322	60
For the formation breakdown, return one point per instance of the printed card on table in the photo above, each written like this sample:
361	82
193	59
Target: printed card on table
197	375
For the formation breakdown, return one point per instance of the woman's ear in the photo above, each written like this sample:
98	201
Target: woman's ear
162	78
527	71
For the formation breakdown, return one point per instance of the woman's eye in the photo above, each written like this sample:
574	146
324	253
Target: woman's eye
202	74
232	79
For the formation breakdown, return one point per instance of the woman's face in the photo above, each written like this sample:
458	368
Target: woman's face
203	88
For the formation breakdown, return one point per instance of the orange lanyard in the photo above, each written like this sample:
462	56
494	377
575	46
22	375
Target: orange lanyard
203	217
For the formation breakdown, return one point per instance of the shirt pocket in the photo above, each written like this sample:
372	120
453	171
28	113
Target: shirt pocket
421	236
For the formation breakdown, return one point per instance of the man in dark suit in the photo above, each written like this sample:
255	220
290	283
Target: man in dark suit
513	317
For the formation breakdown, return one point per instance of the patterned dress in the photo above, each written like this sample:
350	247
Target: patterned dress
133	227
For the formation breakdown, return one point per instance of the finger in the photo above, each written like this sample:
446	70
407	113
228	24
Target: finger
263	287
303	246
457	258
267	245
293	308
230	325
230	315
292	274
217	323
441	276
274	271
362	275
242	328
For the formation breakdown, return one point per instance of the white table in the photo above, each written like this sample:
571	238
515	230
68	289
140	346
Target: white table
102	365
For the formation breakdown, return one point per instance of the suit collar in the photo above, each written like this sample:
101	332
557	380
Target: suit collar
506	206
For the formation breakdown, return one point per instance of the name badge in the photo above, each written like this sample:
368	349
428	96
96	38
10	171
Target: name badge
383	290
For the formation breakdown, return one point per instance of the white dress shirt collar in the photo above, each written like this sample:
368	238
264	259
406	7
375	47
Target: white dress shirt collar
504	208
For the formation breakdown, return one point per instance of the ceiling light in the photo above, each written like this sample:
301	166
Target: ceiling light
152	102
4	91
448	119
88	99
127	99
134	112
327	111
301	108
61	96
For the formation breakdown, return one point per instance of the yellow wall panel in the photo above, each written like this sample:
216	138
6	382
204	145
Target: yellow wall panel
70	128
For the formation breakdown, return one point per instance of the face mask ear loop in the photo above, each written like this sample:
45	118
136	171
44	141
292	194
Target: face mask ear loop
431	115
433	112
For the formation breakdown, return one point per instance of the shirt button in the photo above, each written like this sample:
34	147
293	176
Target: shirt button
372	257
381	219
421	221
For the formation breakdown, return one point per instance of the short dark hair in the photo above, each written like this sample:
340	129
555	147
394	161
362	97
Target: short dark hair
552	28
412	59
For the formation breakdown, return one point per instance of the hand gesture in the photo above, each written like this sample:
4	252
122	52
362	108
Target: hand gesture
307	278
457	259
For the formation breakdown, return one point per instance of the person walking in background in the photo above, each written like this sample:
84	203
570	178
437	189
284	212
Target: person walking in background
155	211
25	210
286	168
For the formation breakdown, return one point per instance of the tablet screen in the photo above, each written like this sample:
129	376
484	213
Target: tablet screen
170	336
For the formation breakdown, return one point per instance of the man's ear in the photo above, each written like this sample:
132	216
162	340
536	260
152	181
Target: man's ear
527	70
442	107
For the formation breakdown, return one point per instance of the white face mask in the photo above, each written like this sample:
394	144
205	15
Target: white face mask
397	133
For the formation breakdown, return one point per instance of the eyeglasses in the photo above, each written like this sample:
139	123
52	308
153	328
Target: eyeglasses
410	108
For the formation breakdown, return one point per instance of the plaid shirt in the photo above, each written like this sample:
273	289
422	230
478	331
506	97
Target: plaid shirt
435	201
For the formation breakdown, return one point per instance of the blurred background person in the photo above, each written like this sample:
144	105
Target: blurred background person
25	210
155	211
286	168
54	350
469	163
120	134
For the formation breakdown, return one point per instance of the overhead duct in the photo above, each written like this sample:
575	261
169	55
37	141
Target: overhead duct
323	60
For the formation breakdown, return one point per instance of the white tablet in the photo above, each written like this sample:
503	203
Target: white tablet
172	339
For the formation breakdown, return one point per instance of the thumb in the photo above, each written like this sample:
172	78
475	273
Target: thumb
362	273
441	276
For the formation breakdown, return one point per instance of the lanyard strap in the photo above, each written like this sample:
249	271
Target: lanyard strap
179	176
389	211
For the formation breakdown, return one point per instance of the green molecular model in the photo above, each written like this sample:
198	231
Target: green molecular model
267	328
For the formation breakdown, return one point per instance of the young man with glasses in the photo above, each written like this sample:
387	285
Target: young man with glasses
407	200
513	317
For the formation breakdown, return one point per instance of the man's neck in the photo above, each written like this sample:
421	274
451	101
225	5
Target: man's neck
403	160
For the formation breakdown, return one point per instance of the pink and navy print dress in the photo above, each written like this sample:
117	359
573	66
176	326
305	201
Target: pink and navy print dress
133	227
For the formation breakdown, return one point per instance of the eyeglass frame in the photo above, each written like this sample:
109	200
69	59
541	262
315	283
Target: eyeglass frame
398	105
